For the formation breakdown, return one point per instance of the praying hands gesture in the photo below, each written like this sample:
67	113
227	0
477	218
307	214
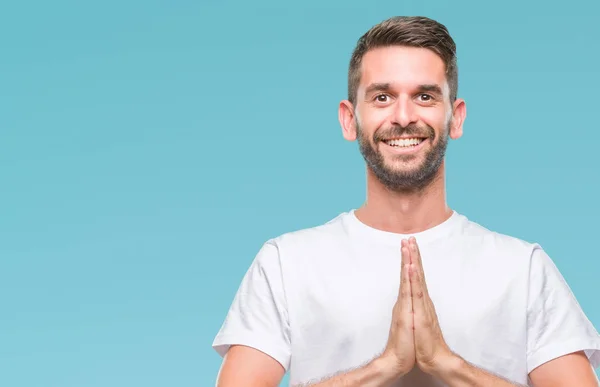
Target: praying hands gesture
415	335
415	339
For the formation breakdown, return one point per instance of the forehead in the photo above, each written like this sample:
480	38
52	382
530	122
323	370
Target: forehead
402	67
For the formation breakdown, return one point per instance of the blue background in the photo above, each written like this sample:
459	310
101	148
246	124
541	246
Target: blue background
149	148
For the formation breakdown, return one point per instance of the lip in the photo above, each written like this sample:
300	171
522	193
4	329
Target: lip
407	150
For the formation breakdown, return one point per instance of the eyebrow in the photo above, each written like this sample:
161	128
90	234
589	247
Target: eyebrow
373	87
431	88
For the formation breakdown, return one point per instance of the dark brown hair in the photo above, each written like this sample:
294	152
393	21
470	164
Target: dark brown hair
410	31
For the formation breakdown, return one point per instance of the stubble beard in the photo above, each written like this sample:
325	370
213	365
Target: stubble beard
398	179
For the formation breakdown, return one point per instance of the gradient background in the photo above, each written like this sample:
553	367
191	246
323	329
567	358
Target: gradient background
149	148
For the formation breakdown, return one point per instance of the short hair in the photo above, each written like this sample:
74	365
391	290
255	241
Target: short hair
409	31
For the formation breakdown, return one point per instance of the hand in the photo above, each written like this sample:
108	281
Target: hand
431	350
400	348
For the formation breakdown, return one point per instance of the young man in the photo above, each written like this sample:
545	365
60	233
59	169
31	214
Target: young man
405	291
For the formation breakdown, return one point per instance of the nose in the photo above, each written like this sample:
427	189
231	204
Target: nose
404	112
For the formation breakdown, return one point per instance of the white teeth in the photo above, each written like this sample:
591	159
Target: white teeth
405	142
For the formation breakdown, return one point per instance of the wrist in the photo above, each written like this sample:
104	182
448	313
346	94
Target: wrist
448	367
388	369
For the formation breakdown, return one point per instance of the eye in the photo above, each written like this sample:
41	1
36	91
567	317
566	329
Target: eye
425	97
383	98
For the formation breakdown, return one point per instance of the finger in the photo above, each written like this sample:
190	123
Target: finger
405	291
417	282
419	275
415	254
403	268
418	294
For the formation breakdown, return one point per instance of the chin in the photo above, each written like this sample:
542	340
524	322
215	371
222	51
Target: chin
402	163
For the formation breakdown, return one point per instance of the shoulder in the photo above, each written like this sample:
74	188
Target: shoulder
328	232
307	242
497	244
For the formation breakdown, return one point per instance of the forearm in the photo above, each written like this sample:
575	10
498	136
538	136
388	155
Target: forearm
377	373
457	372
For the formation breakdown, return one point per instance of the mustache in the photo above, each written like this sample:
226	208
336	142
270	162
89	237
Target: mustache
411	130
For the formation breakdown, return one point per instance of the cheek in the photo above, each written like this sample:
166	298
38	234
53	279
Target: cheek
438	120
372	119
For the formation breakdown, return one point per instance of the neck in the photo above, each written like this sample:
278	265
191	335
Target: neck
404	212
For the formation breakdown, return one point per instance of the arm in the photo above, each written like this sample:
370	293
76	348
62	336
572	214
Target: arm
254	339
563	345
569	370
398	358
553	326
249	367
377	373
457	372
433	355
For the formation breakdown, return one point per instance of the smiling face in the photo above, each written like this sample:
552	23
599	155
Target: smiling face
403	116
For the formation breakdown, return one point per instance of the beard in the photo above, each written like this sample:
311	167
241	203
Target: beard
396	178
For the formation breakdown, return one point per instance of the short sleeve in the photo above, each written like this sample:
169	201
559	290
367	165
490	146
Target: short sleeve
258	315
556	323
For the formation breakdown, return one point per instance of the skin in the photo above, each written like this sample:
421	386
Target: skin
415	339
403	104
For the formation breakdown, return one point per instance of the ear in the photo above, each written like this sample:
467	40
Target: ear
459	113
347	120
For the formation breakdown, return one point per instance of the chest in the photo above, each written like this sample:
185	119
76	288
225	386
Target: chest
341	315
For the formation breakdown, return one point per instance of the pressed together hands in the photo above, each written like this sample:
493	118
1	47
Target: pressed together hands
415	340
415	336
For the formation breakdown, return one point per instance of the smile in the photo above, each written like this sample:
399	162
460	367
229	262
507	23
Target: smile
405	142
405	145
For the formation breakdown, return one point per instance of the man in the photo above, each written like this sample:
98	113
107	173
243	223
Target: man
405	291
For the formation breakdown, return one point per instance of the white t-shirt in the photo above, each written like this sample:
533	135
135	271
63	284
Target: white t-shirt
319	300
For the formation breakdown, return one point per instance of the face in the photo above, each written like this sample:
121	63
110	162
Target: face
403	116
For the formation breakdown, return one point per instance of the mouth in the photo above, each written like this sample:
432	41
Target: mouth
405	142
